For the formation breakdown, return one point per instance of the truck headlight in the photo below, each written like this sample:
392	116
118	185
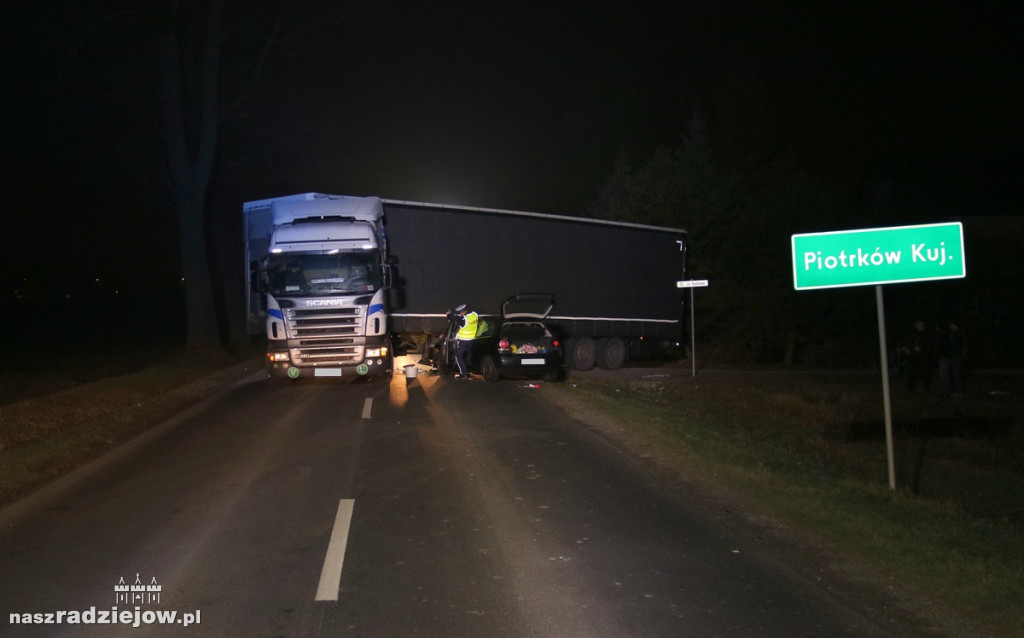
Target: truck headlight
376	352
277	356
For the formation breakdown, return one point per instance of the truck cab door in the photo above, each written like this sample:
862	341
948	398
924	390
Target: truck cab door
256	295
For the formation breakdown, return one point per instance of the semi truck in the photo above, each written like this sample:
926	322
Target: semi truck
339	284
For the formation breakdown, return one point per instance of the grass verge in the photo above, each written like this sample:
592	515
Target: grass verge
806	453
49	434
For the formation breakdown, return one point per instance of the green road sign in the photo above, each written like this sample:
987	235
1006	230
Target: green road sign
878	256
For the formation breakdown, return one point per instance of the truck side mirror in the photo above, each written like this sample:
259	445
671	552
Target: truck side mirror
396	298
259	283
254	277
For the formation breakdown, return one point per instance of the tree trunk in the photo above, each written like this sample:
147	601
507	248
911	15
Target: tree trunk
202	331
191	148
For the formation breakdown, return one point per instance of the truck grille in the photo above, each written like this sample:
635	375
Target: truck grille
324	335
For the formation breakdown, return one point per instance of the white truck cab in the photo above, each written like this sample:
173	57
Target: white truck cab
317	283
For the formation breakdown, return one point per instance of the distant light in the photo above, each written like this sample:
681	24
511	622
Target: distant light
367	246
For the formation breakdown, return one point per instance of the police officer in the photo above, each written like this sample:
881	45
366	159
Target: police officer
468	322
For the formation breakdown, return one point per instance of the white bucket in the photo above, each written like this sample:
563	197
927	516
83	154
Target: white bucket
411	371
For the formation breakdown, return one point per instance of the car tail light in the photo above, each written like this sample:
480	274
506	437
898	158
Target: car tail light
503	344
554	342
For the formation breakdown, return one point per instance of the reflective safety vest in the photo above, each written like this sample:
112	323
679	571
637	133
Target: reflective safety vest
468	331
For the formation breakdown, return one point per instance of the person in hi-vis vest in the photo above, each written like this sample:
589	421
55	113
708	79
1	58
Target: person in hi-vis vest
469	321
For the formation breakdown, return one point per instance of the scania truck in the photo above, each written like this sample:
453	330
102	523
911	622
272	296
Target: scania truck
614	284
318	273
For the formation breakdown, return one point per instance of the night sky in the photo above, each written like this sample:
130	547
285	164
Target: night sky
514	105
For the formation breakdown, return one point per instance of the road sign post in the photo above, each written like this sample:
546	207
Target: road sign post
883	351
691	284
877	256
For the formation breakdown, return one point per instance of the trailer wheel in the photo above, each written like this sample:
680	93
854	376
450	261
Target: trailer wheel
611	353
581	353
489	369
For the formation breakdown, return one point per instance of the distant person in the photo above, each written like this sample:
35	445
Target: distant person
920	357
468	321
950	353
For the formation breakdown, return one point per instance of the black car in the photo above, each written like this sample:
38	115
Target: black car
519	345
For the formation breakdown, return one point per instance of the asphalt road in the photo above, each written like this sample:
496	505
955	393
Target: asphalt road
427	507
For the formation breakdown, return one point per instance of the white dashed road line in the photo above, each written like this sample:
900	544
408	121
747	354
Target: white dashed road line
330	576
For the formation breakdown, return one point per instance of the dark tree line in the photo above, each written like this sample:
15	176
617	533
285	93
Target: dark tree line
740	207
741	192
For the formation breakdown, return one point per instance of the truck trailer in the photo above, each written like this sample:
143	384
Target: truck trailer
614	284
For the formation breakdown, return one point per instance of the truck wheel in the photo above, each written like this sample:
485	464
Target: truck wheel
611	353
581	353
489	370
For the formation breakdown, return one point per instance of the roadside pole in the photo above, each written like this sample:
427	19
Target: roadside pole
691	284
693	336
884	351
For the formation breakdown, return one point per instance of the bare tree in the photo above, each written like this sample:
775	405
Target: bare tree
190	118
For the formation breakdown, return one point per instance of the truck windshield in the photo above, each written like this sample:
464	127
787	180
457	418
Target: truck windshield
307	274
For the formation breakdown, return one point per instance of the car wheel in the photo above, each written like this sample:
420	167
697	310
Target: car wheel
611	353
489	369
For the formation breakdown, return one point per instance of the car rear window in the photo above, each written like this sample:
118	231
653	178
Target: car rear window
519	332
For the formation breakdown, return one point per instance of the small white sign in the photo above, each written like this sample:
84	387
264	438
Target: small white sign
692	283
